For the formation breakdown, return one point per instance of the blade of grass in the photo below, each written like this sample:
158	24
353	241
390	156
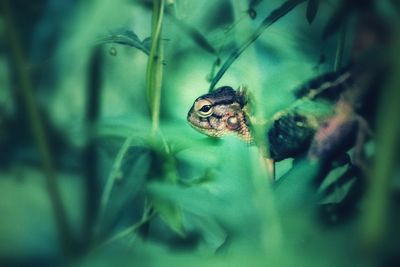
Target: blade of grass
114	174
267	22
93	110
312	9
340	48
154	70
39	134
376	215
148	214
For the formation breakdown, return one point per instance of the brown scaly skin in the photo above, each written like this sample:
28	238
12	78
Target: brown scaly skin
224	112
291	132
221	112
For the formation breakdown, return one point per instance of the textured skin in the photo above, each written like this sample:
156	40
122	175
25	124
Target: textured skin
289	136
227	104
291	132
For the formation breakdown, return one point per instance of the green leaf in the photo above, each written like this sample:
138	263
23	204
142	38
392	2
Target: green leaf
206	178
268	21
196	36
252	13
312	8
345	9
169	210
129	38
192	32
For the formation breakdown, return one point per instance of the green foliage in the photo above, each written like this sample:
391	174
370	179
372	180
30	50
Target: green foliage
129	38
268	21
312	9
169	195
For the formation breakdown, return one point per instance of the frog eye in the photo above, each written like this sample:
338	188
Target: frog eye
232	123
203	108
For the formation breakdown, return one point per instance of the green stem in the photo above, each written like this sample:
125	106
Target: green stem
38	132
114	174
148	214
340	48
154	65
377	200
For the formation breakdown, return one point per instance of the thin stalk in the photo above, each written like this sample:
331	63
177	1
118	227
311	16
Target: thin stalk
375	220
114	174
340	48
38	131
154	70
92	188
148	214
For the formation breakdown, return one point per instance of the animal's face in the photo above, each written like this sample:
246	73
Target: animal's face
221	112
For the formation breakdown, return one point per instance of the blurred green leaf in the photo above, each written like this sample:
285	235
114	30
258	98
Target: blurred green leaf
129	38
340	15
191	32
274	16
312	9
208	177
126	184
169	210
196	36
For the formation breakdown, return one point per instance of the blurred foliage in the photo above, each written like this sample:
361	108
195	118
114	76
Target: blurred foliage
98	166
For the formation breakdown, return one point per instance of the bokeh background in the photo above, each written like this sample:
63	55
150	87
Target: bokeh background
95	171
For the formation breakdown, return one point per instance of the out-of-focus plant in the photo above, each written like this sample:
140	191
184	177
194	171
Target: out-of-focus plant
195	196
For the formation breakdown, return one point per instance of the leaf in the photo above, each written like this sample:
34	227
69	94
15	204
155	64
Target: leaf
252	13
292	192
197	37
147	43
268	21
345	9
312	8
169	209
207	178
128	182
129	38
192	32
253	3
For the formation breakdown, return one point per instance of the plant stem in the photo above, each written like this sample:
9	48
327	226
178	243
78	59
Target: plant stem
340	48
148	214
154	65
115	172
92	189
377	200
38	132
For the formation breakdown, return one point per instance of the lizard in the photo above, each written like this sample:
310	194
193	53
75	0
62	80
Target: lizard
348	97
294	131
